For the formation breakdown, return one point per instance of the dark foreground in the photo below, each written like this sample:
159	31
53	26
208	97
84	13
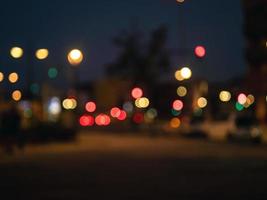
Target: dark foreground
102	166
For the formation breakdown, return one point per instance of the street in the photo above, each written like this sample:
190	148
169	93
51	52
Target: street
117	166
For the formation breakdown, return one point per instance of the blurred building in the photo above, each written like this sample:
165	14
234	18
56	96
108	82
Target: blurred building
255	30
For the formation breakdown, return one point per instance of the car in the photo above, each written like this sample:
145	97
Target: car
246	129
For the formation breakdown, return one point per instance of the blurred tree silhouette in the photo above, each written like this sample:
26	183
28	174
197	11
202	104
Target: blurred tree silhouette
143	62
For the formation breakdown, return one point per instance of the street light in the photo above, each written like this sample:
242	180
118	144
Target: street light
1	76
75	57
13	77
16	52
42	54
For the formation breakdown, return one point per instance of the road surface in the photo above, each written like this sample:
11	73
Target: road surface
113	166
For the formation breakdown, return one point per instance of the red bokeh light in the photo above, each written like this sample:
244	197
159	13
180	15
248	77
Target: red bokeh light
90	107
200	51
123	115
115	112
178	105
102	120
138	118
86	120
137	93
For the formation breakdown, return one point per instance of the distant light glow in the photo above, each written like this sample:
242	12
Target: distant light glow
152	113
115	112
42	54
138	118
52	72
90	106
54	106
16	52
142	102
178	105
102	120
175	122
13	77
69	104
225	96
186	73
239	107
242	98
1	76
137	93
181	91
75	57
35	88
202	102
86	120
128	107
178	75
176	113
250	99
123	115
200	51
16	95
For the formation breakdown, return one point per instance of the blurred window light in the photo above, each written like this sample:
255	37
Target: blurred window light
16	52
42	54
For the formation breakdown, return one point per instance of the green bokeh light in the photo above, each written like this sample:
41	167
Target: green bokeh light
52	73
239	106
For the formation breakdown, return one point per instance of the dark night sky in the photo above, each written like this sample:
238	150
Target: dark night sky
90	25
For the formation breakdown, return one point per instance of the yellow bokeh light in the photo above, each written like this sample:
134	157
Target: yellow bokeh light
250	99
75	57
142	102
13	77
181	91
202	102
180	1
186	73
225	96
1	76
69	104
42	54
16	52
16	95
178	76
175	122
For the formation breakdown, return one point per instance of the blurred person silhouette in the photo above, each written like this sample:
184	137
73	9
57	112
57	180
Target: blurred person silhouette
10	129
